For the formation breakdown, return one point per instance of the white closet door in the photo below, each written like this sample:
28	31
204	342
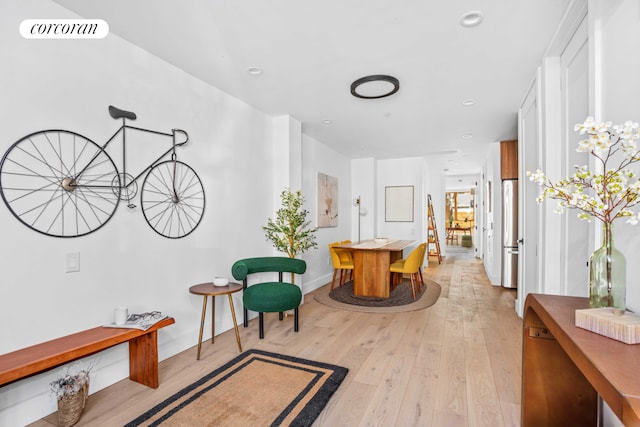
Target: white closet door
574	65
529	160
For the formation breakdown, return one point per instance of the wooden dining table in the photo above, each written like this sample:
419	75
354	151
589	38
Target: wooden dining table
371	261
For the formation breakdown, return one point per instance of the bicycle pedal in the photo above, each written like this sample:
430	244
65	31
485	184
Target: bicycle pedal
131	206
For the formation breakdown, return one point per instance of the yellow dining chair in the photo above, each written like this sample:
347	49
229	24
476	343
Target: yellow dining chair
411	266
342	261
423	248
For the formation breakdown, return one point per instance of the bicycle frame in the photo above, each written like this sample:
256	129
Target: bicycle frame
123	129
63	184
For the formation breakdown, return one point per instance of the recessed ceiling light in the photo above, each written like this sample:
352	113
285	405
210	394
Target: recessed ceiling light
468	102
327	121
254	71
471	19
376	86
467	136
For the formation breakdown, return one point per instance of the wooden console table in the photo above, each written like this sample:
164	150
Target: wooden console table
565	368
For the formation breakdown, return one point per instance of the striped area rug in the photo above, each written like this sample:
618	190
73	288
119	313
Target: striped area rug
257	388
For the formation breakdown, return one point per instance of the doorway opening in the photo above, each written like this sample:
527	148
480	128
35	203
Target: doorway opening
460	220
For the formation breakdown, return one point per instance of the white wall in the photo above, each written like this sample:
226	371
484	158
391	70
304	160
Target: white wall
69	84
617	31
613	95
318	158
401	172
363	184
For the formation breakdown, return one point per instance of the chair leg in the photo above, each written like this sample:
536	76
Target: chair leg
413	286
245	320
334	278
295	320
280	316
421	279
261	324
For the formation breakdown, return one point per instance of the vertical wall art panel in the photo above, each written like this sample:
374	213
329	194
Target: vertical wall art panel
327	200
399	204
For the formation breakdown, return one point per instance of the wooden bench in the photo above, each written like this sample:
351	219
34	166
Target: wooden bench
143	353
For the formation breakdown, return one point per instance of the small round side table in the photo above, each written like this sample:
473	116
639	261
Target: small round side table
209	289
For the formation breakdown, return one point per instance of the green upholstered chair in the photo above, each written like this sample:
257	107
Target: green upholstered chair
269	297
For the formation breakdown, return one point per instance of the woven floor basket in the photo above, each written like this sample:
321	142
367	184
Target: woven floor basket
70	407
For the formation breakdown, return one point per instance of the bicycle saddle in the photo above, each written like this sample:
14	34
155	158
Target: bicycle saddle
117	113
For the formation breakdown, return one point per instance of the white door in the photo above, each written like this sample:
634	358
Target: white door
528	160
574	65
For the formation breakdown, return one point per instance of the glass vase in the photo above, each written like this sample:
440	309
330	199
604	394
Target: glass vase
607	274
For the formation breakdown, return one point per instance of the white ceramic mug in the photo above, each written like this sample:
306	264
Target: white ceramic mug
120	315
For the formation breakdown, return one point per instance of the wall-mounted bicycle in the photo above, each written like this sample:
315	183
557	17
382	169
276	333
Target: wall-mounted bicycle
62	184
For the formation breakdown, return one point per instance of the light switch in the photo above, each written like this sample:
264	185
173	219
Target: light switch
72	262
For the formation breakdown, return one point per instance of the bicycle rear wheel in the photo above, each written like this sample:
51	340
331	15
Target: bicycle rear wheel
172	198
59	183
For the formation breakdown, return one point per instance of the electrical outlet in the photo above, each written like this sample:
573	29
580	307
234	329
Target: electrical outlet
72	262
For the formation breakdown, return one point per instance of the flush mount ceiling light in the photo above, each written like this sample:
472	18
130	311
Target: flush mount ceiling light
373	87
468	102
254	71
467	136
327	121
471	19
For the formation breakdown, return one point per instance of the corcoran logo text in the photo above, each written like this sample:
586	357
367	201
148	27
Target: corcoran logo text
64	28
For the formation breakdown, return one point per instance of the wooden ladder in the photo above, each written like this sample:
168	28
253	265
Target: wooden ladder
433	247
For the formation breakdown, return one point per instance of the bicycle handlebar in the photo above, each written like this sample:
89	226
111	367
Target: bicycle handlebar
184	133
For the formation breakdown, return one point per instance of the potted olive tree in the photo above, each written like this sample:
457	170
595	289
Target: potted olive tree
289	232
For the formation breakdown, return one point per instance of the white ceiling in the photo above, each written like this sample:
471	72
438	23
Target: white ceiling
311	52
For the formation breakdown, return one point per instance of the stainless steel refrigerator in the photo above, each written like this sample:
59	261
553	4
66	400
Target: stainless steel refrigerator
510	233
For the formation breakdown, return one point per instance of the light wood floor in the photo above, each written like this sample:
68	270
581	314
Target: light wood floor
457	363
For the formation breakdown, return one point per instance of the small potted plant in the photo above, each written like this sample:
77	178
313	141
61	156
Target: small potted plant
289	231
71	390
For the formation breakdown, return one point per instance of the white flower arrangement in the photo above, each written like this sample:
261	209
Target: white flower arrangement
610	194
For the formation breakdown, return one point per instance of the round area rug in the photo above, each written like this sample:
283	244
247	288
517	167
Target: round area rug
400	299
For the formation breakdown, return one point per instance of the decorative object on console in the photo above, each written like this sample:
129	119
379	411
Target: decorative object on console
611	323
606	194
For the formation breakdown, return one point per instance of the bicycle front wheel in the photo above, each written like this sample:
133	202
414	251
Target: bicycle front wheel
59	183
172	199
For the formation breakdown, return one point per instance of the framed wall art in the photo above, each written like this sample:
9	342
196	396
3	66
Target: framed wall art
327	200
398	204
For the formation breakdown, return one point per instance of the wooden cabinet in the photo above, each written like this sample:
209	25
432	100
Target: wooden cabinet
509	159
565	368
